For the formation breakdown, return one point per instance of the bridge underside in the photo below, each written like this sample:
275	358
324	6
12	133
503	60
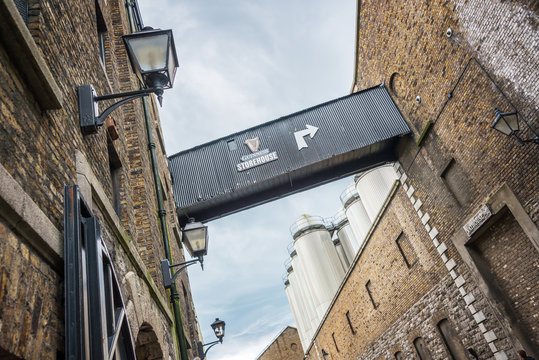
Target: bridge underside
287	155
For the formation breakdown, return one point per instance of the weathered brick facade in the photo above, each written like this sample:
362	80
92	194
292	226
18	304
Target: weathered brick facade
447	66
286	346
42	149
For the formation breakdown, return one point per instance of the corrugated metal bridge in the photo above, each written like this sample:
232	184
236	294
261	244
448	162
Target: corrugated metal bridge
287	155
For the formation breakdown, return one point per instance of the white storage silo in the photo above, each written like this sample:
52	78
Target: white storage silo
318	258
373	186
357	216
345	263
298	311
302	287
345	235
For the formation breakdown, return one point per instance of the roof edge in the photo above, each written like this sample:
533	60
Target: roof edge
274	121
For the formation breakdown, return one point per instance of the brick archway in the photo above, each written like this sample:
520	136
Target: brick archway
147	346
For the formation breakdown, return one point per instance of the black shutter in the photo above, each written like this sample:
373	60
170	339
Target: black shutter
96	327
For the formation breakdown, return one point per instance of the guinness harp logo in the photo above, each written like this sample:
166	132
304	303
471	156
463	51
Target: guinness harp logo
253	144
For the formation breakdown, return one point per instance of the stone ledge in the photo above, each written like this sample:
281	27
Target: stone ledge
25	55
26	217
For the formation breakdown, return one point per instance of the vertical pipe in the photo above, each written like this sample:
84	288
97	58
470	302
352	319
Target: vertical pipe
174	297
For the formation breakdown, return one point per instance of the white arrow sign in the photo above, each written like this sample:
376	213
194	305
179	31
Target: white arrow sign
311	130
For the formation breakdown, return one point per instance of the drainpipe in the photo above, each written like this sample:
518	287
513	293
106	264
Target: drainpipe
174	296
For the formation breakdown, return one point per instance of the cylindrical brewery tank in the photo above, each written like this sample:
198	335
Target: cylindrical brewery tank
297	309
357	216
345	235
373	186
345	263
319	259
303	287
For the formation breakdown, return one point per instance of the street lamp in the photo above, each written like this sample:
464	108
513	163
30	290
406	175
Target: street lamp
195	238
218	327
507	123
153	57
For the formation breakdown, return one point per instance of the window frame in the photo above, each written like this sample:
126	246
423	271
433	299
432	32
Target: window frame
96	327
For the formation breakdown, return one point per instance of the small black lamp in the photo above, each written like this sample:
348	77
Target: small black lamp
218	327
195	238
508	124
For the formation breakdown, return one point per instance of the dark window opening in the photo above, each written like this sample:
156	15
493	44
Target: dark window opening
458	183
451	340
350	322
232	145
115	167
22	6
407	251
335	342
399	356
369	291
184	291
421	348
101	32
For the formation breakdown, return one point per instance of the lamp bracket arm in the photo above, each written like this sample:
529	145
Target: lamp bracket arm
90	121
212	344
101	118
185	264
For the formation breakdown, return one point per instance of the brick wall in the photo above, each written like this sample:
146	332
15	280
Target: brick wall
38	150
286	346
30	299
446	85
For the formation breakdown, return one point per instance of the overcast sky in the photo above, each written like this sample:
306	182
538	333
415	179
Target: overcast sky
243	63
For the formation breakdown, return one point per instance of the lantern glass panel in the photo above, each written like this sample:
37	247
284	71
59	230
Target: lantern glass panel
172	65
502	126
512	121
150	52
196	239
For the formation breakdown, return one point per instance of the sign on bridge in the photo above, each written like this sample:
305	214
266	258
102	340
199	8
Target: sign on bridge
287	155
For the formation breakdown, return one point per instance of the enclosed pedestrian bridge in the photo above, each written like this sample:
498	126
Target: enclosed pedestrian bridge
286	155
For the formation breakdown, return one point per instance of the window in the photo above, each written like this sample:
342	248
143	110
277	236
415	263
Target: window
335	342
115	167
421	348
399	356
22	6
101	32
369	291
458	183
89	270
407	251
350	322
451	340
232	145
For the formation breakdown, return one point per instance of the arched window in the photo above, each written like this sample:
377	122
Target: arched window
451	340
421	348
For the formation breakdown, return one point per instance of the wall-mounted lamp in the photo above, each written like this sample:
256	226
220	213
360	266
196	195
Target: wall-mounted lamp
153	57
218	327
195	238
508	124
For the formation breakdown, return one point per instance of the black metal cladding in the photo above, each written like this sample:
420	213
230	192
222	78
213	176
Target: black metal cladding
355	132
